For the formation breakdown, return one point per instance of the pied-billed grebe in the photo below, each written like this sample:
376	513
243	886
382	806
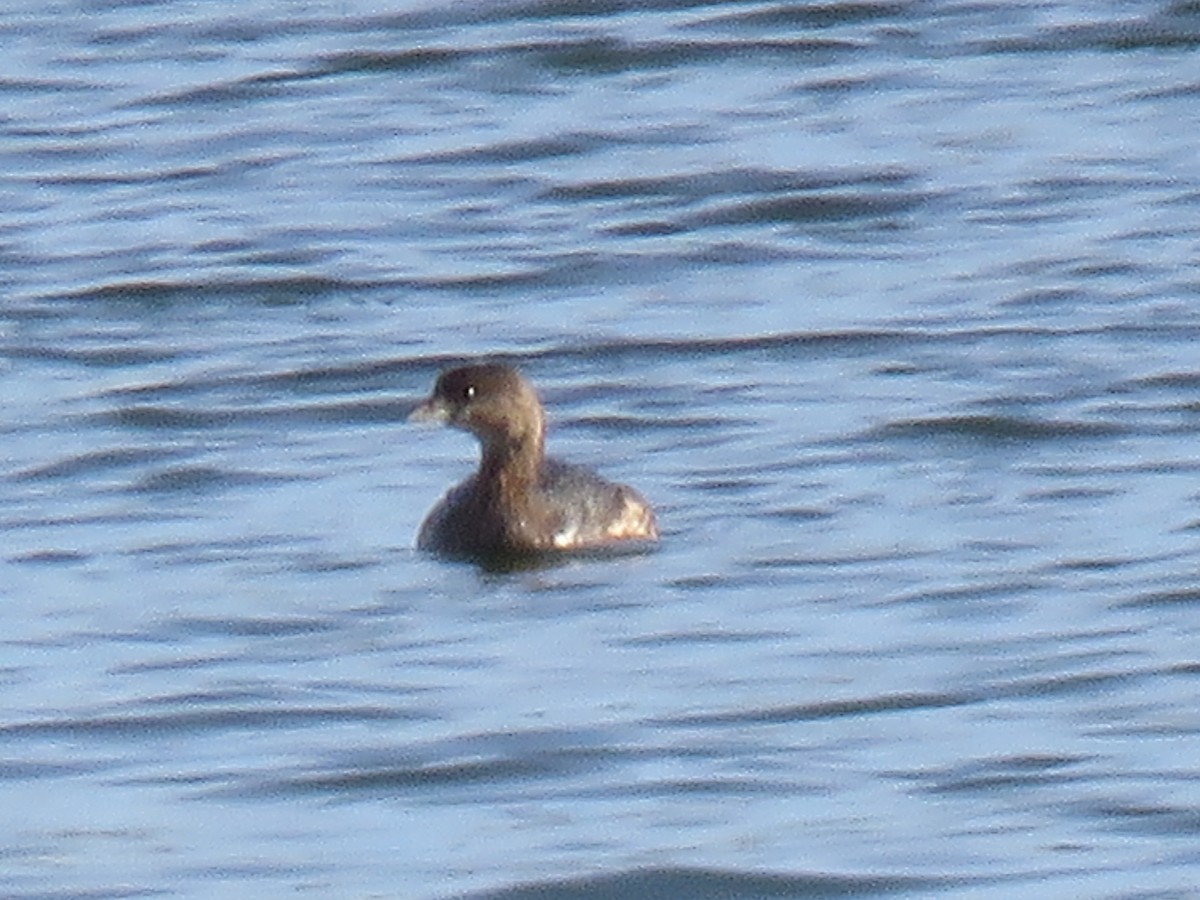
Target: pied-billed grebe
520	501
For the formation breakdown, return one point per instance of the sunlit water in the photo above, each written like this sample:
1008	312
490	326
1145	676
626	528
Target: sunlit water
890	309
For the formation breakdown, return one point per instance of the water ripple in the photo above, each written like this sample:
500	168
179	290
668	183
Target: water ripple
714	884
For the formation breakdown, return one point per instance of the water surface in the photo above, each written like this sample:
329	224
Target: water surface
890	308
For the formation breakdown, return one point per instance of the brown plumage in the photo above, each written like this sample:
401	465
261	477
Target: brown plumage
519	501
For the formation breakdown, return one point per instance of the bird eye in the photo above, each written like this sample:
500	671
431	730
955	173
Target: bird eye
469	392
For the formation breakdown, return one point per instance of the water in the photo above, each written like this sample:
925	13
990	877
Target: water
890	308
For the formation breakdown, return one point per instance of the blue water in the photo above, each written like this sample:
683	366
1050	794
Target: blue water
890	308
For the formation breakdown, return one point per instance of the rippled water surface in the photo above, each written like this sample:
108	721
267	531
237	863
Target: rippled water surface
889	307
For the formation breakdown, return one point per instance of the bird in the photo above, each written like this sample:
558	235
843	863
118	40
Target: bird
520	501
